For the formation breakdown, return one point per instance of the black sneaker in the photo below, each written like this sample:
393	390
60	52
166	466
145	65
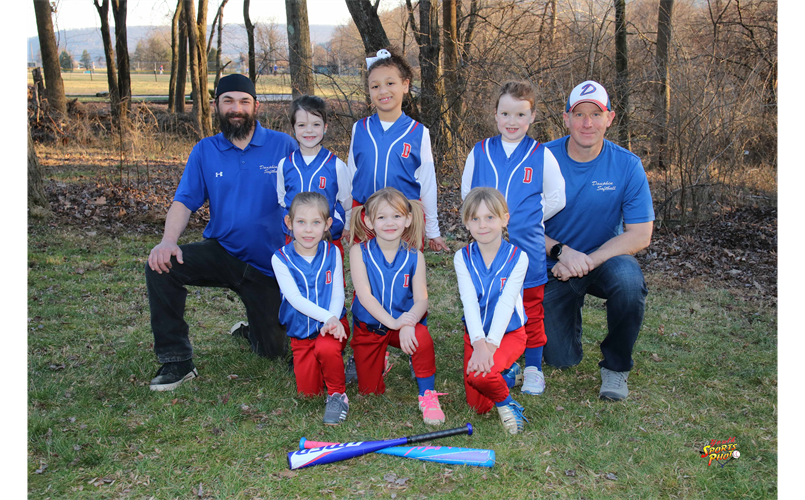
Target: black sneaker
171	375
336	409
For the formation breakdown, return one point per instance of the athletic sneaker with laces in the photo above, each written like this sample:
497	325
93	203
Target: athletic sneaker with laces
350	371
240	330
513	375
613	385
171	375
432	412
336	408
512	418
534	381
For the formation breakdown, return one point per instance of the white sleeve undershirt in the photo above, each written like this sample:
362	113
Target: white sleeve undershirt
505	306
426	176
281	183
291	293
344	195
553	187
466	177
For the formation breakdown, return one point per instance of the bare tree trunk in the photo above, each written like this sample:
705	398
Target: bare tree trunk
218	68
663	94
622	78
119	13
364	14
250	35
181	70
450	68
111	68
50	57
192	59
177	15
429	47
36	189
553	20
205	116
300	57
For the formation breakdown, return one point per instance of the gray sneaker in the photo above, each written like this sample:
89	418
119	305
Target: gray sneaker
613	385
336	408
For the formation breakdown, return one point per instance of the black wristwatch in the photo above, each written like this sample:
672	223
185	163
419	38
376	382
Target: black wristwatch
556	251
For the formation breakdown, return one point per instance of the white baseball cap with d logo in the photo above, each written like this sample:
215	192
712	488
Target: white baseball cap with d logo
589	91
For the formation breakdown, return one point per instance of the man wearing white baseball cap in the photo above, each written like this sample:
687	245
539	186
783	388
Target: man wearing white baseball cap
590	244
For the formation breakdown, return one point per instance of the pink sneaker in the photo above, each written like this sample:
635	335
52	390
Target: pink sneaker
432	413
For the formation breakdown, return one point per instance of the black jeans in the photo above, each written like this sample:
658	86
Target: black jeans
207	263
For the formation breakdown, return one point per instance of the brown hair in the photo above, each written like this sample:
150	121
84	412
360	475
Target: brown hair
311	198
412	236
310	103
523	91
397	61
493	198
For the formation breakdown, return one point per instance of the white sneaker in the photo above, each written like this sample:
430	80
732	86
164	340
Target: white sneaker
534	381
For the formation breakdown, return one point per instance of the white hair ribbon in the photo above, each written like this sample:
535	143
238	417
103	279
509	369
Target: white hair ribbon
381	54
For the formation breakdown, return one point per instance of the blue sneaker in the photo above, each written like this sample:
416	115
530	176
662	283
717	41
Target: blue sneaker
512	418
512	375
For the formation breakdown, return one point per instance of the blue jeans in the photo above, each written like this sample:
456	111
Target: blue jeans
620	282
207	263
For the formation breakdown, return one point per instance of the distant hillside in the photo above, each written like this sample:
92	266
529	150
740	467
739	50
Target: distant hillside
76	41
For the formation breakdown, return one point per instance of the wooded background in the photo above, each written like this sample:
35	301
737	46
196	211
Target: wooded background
693	83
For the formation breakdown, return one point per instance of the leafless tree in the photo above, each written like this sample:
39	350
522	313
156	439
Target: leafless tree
36	190
54	86
299	51
109	54
205	112
663	92
175	49
622	78
250	38
119	13
364	14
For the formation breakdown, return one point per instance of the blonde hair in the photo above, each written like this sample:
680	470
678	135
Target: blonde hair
412	236
494	201
315	199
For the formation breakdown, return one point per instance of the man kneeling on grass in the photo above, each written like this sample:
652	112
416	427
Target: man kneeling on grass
236	171
590	244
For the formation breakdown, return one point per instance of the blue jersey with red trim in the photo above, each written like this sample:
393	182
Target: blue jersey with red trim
390	282
489	282
519	177
315	282
386	157
319	176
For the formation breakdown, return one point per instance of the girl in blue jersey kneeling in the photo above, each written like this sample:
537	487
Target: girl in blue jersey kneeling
311	279
490	274
391	296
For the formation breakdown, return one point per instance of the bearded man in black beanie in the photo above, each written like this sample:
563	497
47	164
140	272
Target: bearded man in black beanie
236	171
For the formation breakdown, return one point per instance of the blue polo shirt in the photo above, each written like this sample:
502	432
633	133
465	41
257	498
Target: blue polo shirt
241	186
602	195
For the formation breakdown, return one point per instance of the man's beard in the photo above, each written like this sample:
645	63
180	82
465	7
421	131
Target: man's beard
234	132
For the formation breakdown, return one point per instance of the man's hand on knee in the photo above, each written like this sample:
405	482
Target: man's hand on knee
576	264
159	259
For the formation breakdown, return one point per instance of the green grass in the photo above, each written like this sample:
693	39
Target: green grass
103	434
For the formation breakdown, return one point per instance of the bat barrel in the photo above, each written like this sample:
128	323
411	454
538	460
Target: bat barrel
440	434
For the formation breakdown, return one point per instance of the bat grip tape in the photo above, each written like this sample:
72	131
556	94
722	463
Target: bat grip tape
440	434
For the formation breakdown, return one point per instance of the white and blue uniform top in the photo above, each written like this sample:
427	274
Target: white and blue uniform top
492	296
246	222
390	282
323	173
312	288
602	195
530	179
397	155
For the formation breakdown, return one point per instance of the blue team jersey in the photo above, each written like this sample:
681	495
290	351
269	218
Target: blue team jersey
601	195
489	282
319	176
315	282
390	282
386	157
519	177
241	186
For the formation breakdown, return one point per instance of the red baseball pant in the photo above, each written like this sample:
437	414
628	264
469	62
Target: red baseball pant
319	361
484	392
370	356
534	327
